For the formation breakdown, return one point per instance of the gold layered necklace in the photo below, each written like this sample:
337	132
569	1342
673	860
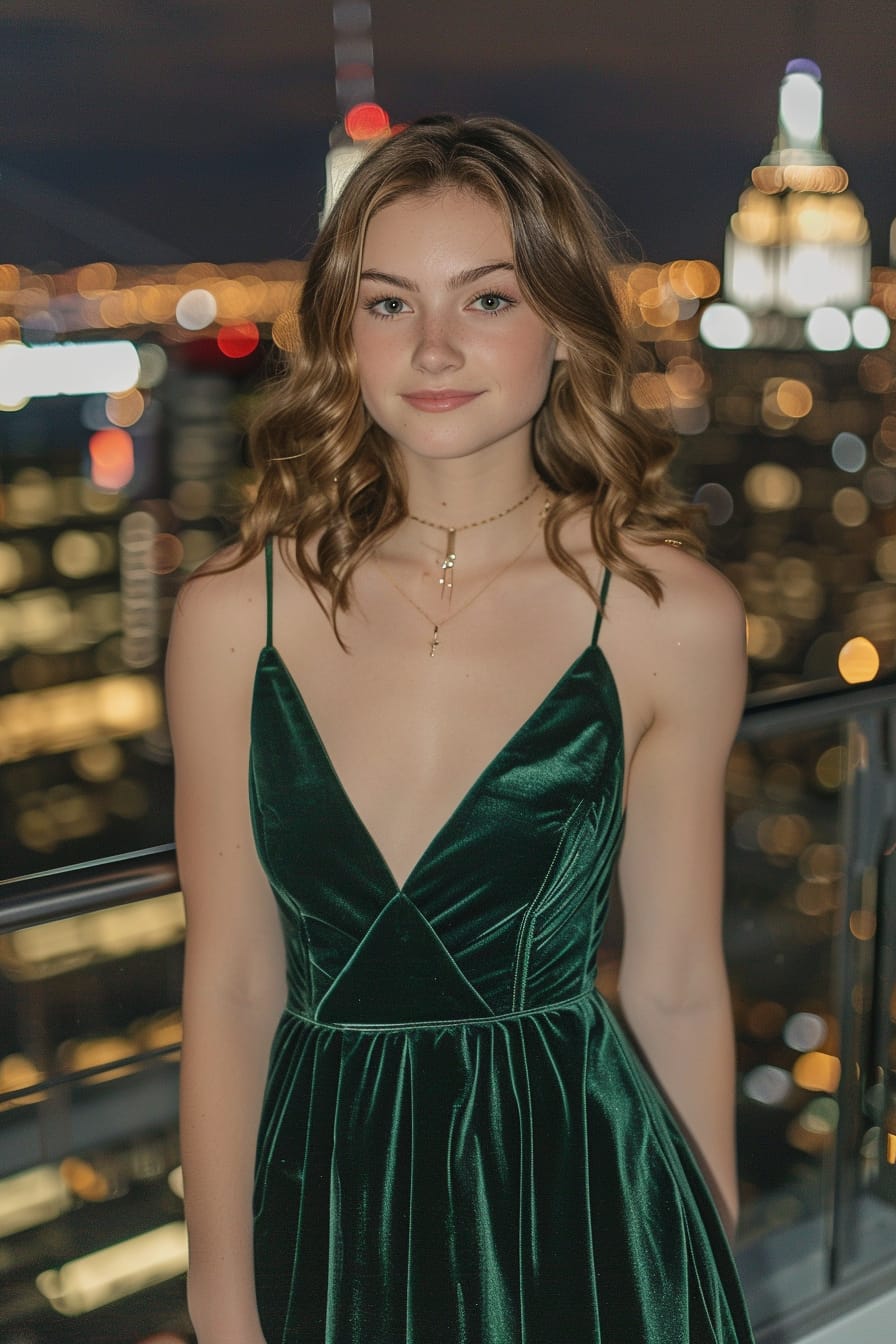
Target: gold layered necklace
437	625
446	578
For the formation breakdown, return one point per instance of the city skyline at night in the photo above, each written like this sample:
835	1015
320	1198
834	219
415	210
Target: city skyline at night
207	135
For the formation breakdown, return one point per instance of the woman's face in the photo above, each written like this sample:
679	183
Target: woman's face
452	359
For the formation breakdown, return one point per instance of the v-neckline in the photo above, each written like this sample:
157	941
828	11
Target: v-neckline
474	788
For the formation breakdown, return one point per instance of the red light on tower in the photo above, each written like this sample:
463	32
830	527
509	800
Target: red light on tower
238	341
366	121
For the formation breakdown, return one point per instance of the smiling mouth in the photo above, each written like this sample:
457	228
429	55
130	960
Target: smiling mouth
444	400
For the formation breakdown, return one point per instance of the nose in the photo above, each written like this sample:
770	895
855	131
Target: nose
437	349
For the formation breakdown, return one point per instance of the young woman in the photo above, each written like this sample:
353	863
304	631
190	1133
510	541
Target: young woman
417	729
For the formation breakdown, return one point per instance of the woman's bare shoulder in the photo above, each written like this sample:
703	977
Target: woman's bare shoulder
218	625
700	604
216	593
695	593
698	632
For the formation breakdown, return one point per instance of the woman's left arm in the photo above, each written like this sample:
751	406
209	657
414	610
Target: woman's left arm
673	985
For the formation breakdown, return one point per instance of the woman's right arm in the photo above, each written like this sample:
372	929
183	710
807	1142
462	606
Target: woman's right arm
234	983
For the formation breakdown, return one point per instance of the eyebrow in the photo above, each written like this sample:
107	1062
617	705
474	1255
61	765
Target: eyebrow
456	282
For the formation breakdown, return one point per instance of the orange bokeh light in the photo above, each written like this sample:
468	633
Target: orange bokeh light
366	121
111	458
817	1072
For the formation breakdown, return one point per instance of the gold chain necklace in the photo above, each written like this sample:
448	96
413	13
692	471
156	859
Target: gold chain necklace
437	625
446	579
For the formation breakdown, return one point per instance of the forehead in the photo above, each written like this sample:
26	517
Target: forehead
449	228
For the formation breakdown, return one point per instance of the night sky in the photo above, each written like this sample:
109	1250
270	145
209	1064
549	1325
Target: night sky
142	130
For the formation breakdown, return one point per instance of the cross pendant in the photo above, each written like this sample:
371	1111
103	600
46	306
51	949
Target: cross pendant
434	642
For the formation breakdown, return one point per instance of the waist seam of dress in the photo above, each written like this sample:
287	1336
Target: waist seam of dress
444	1021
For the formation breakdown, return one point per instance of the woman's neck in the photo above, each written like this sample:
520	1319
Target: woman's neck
468	530
456	493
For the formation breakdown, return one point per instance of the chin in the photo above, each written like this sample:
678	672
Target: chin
448	448
444	452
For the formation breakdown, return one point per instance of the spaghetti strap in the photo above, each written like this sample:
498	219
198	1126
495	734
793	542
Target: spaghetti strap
269	586
600	611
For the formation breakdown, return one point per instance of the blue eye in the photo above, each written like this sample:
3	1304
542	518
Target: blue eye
497	302
392	306
493	302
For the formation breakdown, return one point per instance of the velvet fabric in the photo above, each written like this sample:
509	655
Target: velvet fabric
457	1144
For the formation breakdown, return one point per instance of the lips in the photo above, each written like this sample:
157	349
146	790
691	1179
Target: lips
438	400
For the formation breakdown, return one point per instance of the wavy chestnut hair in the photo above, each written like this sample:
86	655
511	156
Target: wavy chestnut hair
326	470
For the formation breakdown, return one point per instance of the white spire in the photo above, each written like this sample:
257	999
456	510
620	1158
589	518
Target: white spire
800	107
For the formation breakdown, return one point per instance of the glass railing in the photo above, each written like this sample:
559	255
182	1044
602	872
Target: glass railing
92	1237
91	1220
811	936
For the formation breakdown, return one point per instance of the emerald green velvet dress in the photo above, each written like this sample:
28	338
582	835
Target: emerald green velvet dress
457	1143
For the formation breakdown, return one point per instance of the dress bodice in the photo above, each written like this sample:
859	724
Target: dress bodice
502	912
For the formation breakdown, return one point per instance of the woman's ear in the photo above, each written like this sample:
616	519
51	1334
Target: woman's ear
561	351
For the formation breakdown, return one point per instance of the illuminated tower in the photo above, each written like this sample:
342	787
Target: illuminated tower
799	240
797	251
363	121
